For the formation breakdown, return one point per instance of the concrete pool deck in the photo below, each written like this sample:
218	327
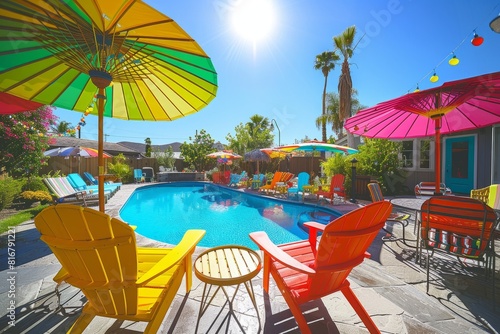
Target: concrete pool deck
390	285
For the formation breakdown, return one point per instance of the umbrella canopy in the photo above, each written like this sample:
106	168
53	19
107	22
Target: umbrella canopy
224	155
71	151
274	153
316	146
455	106
124	56
257	155
10	104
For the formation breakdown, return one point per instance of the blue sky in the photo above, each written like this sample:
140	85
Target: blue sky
403	42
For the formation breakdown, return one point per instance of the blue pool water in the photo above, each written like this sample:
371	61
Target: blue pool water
165	211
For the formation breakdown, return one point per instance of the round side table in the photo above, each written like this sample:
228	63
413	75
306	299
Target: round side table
224	266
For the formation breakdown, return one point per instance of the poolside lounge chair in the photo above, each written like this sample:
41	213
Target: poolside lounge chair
235	179
302	180
272	186
99	255
138	176
257	181
396	217
65	193
79	184
148	173
336	188
307	270
93	181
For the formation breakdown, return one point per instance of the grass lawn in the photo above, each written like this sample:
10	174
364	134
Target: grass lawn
19	217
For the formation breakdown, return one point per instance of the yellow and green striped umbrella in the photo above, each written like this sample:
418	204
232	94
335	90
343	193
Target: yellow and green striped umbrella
130	60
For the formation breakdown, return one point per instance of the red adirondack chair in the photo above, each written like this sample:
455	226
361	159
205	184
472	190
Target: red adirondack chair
336	187
306	271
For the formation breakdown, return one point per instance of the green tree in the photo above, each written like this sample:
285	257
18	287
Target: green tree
165	158
332	112
24	139
62	128
378	158
148	147
195	153
254	134
326	63
344	44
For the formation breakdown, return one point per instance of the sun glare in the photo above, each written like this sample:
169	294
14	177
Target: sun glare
254	19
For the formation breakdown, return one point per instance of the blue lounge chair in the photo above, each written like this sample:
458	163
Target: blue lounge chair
303	180
138	176
236	178
79	184
92	180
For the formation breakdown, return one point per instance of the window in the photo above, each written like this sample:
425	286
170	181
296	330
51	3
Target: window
416	154
407	154
425	152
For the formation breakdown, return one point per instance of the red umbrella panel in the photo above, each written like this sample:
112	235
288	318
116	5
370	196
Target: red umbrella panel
10	104
453	107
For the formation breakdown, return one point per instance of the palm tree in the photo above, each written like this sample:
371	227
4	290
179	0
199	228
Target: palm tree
326	63
344	44
332	111
62	128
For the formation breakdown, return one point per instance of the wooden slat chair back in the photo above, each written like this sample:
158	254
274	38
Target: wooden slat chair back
308	270
272	186
119	280
460	226
336	187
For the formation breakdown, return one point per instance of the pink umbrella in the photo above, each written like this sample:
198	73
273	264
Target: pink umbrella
10	104
455	106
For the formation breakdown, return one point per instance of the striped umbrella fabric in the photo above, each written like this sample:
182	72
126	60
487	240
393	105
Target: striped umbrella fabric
74	151
120	58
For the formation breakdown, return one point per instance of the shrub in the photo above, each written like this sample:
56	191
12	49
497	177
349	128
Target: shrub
36	196
34	184
120	168
9	188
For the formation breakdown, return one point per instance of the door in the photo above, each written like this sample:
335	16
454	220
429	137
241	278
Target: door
460	169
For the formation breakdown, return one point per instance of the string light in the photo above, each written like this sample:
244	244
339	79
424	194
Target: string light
434	77
453	60
477	40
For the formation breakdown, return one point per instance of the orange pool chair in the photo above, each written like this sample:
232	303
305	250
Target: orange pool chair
308	270
120	280
336	187
272	187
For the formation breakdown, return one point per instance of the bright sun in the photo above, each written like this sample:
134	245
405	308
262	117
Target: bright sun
254	19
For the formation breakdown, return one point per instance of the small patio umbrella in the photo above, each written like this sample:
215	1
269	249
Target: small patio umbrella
122	57
74	151
257	155
10	104
318	146
455	106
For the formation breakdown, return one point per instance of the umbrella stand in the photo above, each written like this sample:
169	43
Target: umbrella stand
100	145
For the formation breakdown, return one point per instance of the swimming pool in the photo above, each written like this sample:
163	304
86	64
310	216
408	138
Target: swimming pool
165	211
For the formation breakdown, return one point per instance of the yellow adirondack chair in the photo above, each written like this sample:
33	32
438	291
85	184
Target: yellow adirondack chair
120	280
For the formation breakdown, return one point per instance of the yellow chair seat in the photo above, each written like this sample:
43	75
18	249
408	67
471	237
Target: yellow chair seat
120	280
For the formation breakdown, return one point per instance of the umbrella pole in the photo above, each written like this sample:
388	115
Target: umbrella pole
100	148
437	123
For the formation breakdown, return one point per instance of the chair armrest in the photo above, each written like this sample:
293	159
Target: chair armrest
178	253
270	249
314	228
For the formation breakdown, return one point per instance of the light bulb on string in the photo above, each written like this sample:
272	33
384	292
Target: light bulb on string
477	40
434	77
453	60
